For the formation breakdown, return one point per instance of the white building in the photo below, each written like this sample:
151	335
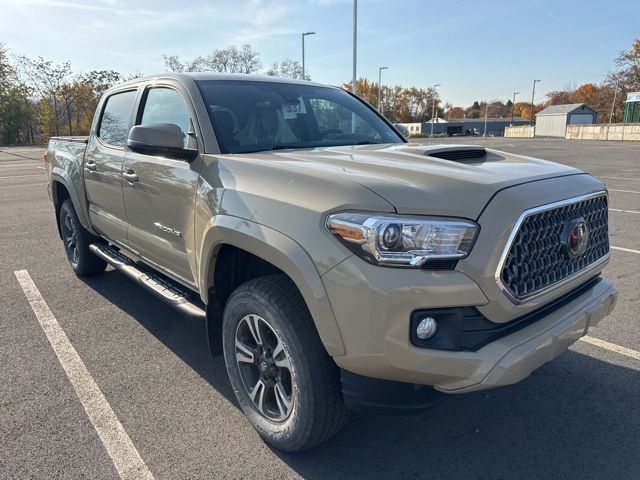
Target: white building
553	120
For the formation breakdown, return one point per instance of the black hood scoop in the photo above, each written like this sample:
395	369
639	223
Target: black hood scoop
458	154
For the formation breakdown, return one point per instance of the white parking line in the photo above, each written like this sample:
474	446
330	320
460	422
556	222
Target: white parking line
28	175
119	446
619	178
629	250
623	211
612	347
623	191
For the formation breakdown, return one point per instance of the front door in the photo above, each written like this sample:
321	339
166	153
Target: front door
103	163
159	193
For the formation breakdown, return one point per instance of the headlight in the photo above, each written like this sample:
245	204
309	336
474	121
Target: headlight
396	241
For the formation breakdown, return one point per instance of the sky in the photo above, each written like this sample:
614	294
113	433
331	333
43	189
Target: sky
477	50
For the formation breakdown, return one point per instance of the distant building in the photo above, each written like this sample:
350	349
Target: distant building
553	120
632	108
451	127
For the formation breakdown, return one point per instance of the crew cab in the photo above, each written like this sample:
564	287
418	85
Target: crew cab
334	265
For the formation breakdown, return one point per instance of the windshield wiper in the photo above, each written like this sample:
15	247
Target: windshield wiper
367	142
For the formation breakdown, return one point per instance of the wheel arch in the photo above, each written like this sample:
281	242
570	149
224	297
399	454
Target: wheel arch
277	251
62	187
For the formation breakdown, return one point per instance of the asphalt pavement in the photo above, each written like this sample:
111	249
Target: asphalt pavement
574	418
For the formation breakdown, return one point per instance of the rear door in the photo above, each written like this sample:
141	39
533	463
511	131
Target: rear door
159	193
103	163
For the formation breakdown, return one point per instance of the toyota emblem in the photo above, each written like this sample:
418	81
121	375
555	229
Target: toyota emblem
575	237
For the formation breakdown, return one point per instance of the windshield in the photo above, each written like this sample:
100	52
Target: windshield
250	116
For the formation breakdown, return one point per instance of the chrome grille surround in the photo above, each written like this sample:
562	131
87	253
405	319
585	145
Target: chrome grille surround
543	252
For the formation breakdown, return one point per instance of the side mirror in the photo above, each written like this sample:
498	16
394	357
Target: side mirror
160	139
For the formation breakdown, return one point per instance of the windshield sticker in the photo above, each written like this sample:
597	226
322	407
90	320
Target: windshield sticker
292	110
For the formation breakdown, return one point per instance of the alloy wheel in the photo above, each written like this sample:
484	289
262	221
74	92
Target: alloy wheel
265	368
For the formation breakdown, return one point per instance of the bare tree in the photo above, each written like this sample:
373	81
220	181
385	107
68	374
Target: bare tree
226	60
287	68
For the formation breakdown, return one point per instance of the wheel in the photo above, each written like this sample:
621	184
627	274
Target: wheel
76	242
285	382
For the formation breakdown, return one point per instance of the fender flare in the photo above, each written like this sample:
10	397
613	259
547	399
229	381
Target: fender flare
282	252
58	175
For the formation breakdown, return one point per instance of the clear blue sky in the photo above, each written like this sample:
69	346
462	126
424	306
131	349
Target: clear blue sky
478	49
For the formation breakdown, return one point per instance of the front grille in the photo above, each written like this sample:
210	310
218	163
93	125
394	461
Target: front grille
538	257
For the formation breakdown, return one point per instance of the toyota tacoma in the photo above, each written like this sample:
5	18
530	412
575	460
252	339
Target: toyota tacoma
334	265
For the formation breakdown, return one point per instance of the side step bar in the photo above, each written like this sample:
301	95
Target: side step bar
173	294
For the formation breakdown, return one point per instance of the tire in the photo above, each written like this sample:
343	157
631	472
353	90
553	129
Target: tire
303	405
76	241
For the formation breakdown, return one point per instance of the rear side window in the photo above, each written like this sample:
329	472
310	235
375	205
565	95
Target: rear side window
165	105
114	124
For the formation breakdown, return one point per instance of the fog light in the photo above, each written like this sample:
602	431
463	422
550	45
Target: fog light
426	328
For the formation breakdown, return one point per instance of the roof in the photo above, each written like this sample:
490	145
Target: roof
201	76
437	120
489	120
564	109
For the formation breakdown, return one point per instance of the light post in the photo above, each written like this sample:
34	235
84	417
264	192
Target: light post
513	105
533	95
355	44
486	115
304	34
433	106
380	87
613	105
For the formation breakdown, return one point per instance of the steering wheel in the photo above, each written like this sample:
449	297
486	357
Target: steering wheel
331	131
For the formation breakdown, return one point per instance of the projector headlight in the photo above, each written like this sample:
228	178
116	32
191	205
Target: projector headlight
403	241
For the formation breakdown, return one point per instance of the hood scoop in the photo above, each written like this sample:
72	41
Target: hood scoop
458	154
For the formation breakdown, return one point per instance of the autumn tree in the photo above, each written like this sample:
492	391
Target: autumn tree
456	112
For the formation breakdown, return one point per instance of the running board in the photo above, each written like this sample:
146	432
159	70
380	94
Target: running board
175	295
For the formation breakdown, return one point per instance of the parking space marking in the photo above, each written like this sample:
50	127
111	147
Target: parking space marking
629	250
27	175
623	211
623	191
612	347
619	178
115	439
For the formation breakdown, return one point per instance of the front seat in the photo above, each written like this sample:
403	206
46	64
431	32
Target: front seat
266	126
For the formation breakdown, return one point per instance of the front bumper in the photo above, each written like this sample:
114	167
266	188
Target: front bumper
373	312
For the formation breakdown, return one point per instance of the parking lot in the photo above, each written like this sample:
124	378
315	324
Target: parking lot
574	418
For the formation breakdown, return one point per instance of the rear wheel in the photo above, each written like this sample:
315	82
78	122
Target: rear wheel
76	242
286	384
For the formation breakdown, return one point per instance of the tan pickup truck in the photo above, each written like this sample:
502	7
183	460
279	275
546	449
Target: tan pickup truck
336	266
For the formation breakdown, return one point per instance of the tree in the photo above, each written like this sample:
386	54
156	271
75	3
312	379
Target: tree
287	68
227	60
586	93
456	112
17	113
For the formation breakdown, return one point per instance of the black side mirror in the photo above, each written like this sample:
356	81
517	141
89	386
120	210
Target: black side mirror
160	139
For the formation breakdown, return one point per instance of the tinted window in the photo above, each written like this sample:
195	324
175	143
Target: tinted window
250	116
165	105
114	125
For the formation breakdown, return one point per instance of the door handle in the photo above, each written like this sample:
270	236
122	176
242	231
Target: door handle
91	166
130	176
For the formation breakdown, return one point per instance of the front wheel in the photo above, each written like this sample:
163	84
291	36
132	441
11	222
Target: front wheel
285	383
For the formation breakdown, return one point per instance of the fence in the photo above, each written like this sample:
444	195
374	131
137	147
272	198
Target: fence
524	131
615	131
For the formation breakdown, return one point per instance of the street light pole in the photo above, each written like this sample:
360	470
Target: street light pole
513	105
533	94
355	44
433	106
613	105
380	87
304	34
486	115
